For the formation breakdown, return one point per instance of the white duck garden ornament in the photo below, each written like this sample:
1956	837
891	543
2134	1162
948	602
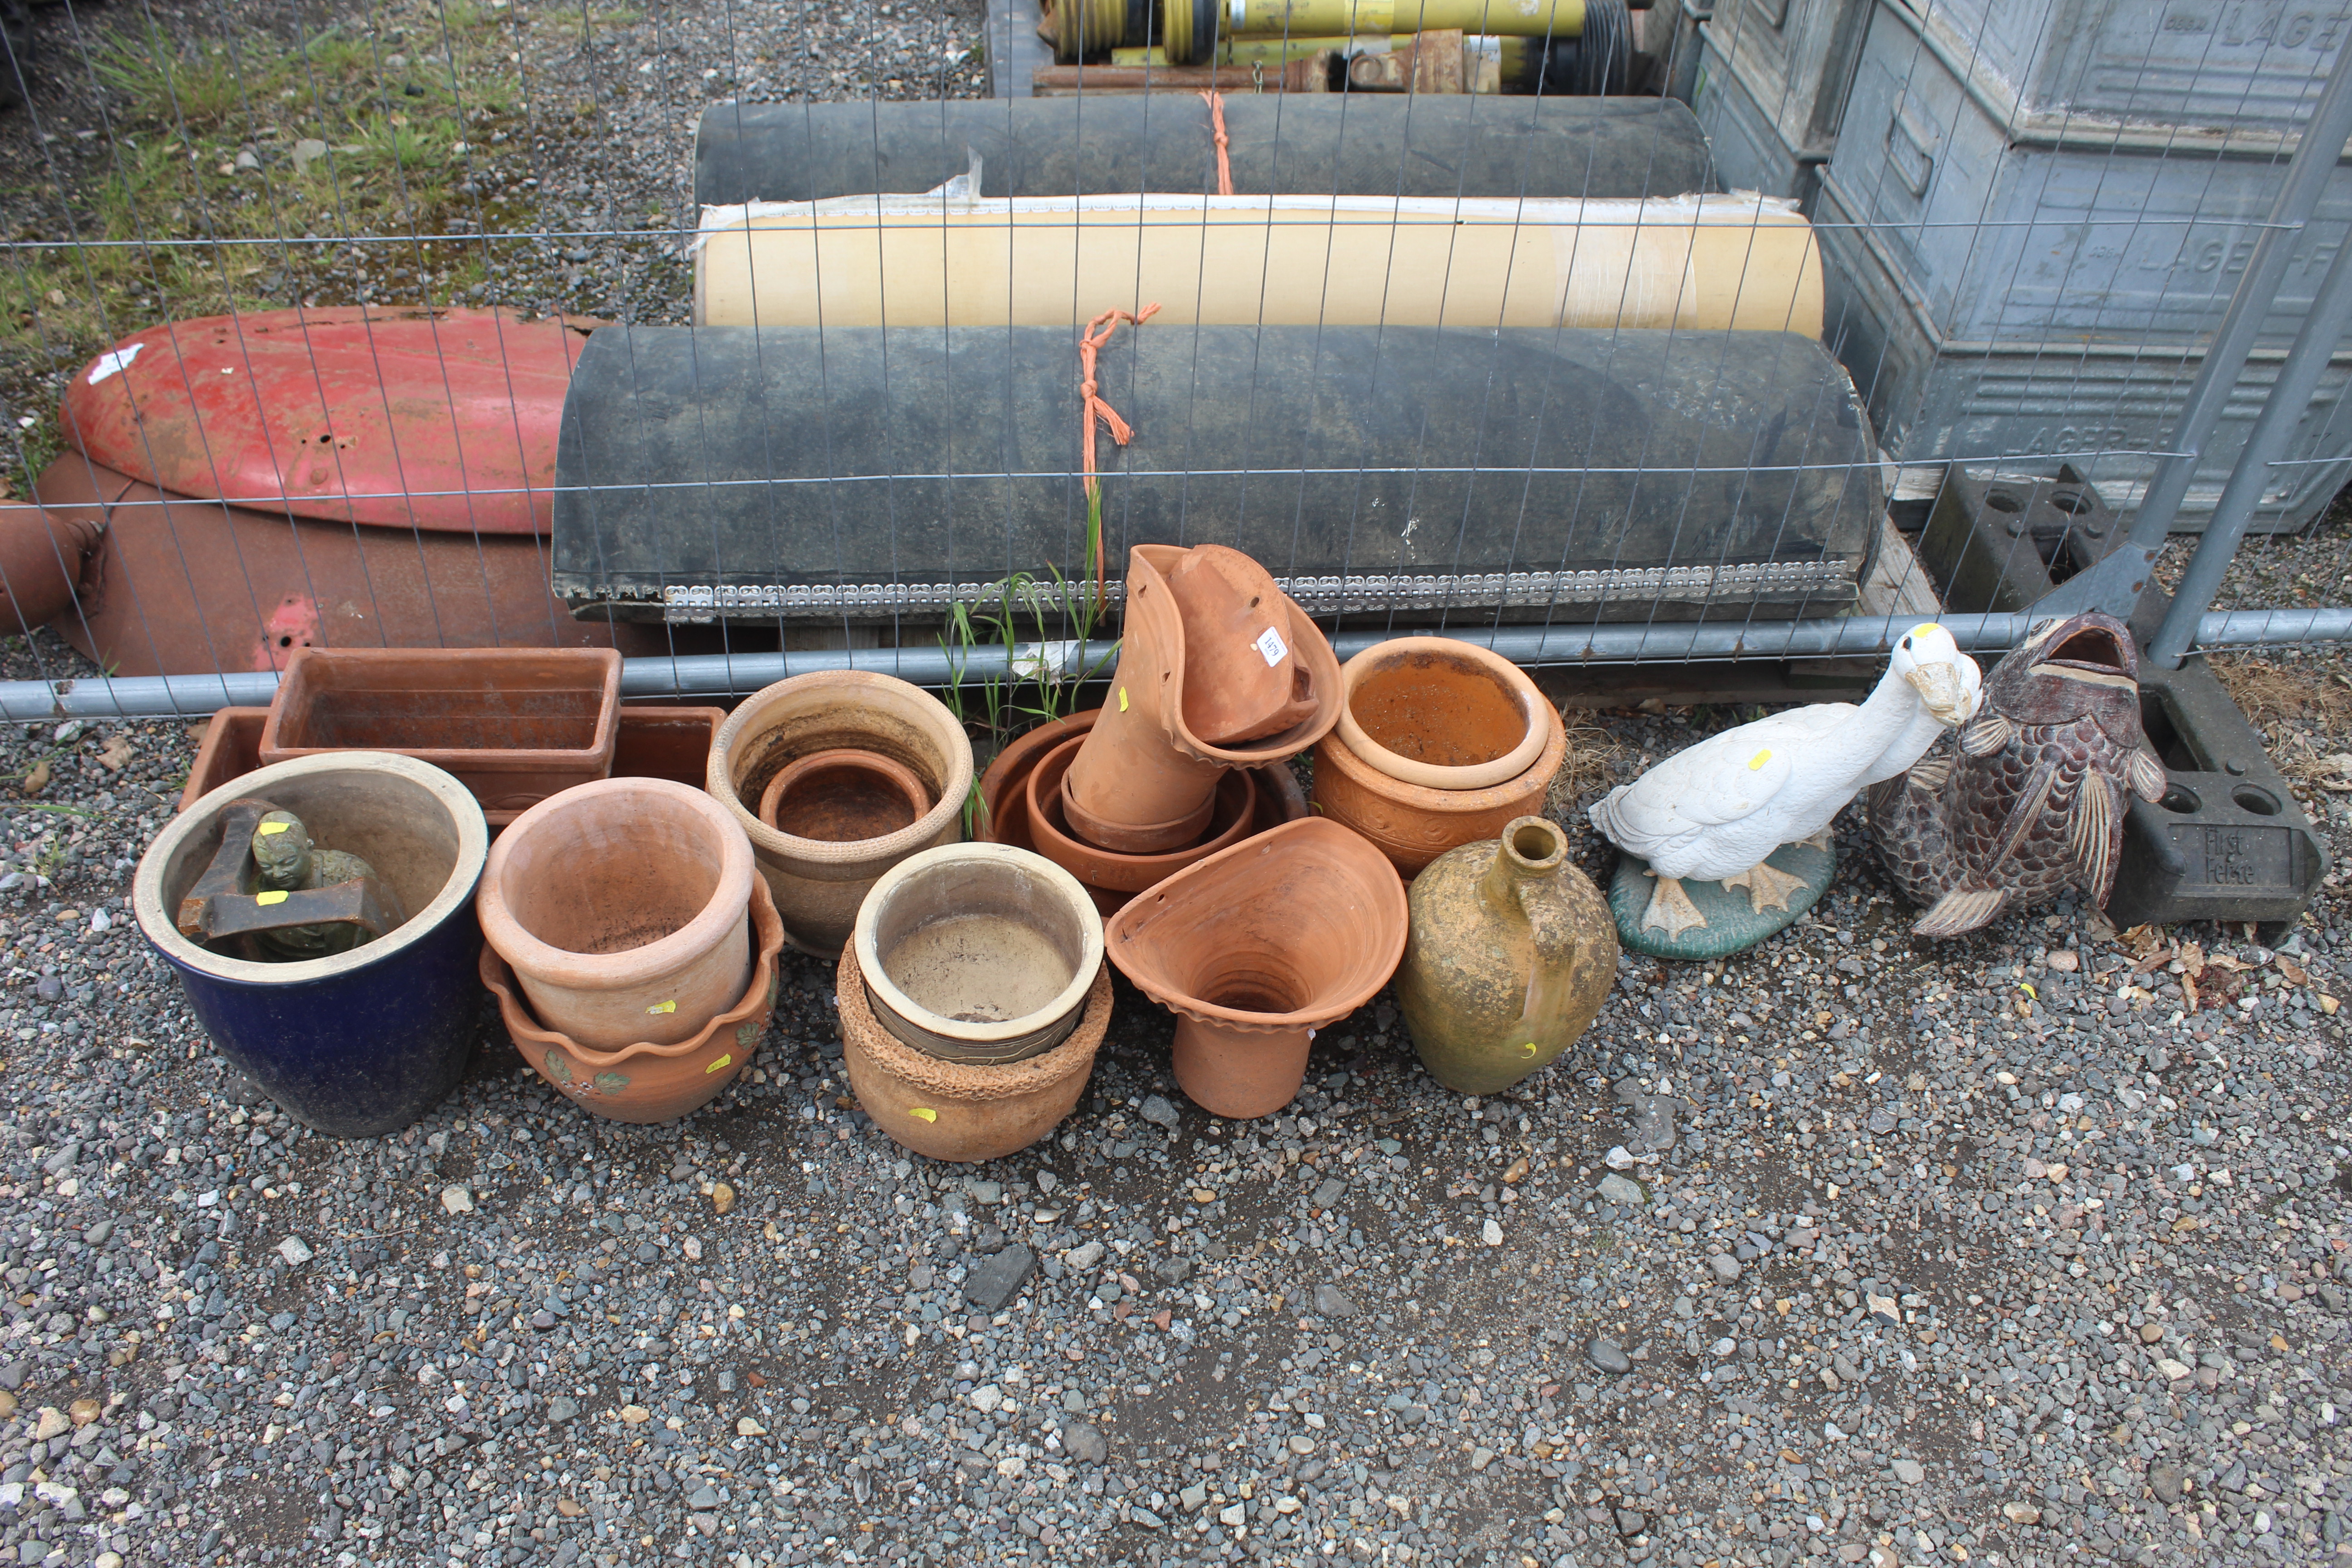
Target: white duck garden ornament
1715	811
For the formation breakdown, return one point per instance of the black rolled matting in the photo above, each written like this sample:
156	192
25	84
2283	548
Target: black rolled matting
1342	145
790	472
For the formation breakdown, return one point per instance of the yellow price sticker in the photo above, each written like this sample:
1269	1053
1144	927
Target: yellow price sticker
267	899
669	1007
267	828
727	1060
923	1113
1122	698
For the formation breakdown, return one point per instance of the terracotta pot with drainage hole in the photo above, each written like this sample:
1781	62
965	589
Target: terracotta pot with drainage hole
819	881
1255	948
978	953
624	908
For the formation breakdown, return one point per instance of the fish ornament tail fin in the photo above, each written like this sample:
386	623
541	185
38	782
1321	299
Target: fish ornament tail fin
1961	910
2147	780
1985	735
2090	837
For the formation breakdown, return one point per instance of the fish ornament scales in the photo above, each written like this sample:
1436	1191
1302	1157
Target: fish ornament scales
2029	799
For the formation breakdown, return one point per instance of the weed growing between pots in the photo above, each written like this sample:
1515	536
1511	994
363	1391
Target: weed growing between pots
1041	679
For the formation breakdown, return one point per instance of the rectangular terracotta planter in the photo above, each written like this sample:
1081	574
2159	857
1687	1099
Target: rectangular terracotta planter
515	725
647	742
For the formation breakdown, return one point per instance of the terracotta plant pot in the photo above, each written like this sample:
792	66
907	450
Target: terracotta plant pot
1414	824
818	883
645	1082
1004	794
964	1112
841	796
1145	778
1442	714
363	1041
44	558
1257	947
978	953
1512	953
624	908
515	725
648	742
1234	807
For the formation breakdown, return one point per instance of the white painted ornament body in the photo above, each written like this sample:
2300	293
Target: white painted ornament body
1715	811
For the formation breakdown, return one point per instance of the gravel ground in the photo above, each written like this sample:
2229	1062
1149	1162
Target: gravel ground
1992	1251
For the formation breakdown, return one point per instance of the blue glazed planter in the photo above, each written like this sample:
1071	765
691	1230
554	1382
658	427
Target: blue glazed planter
367	1041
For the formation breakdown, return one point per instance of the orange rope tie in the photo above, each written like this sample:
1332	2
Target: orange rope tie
1216	103
1091	407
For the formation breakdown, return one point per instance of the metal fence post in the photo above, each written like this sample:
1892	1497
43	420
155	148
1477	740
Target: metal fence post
2314	345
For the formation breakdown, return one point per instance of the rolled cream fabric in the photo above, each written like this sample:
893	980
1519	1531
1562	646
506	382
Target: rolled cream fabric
1742	262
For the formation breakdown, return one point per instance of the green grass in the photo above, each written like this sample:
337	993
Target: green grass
182	108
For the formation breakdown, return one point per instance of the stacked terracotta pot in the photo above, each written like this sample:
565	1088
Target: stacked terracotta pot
631	947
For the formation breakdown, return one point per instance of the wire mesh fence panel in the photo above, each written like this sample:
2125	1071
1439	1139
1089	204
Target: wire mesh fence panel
748	336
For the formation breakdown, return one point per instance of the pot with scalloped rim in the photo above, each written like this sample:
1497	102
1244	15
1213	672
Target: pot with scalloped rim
645	1082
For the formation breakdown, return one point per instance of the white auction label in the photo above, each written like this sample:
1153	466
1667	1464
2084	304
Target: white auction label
1270	646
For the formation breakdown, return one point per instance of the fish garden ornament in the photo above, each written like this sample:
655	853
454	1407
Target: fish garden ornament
1716	812
2032	799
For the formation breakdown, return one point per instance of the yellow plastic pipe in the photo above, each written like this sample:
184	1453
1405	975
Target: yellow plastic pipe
1325	18
1741	262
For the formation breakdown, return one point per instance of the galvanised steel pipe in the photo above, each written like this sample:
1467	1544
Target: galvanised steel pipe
194	696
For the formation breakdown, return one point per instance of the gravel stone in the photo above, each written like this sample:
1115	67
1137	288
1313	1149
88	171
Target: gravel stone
1085	1442
1609	1356
999	1278
1725	1268
1333	1302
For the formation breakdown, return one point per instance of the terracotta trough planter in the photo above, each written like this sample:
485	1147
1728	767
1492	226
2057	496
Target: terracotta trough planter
1255	948
978	953
648	742
624	908
642	1081
964	1112
515	725
819	882
1427	718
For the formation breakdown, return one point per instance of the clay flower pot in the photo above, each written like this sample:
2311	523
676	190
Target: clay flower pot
1234	809
1188	701
645	1082
363	1041
964	1112
1257	947
1004	799
819	882
1512	953
1434	716
978	953
624	908
841	796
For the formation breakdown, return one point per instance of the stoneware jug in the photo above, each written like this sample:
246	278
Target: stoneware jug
1508	956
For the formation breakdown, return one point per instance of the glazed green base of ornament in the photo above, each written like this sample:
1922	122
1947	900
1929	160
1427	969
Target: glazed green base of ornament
1732	926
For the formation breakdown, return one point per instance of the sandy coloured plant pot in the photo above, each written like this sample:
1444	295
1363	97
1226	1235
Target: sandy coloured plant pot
978	953
1140	781
1414	823
964	1112
1257	947
1511	953
645	1082
365	1041
818	883
1442	714
624	908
